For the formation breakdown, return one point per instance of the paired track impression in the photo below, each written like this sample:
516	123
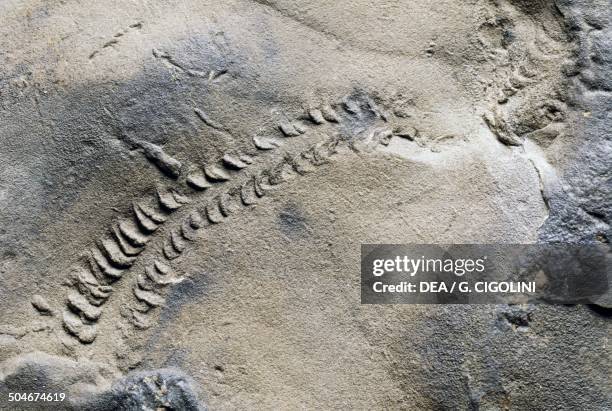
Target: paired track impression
210	194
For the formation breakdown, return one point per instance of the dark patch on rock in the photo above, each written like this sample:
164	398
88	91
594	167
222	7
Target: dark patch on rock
581	212
605	312
292	223
166	389
31	377
360	112
190	289
514	317
508	38
44	373
41	372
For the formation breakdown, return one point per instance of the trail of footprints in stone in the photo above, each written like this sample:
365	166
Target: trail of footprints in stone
149	284
107	262
113	256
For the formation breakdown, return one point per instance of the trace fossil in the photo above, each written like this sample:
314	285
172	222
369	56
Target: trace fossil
184	185
112	257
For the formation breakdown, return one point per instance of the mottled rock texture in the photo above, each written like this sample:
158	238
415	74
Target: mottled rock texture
184	186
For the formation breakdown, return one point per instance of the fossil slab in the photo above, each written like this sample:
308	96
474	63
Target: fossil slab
184	187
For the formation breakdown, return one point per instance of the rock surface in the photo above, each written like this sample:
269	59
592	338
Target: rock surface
184	187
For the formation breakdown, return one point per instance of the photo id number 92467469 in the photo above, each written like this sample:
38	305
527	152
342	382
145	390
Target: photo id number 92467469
36	396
